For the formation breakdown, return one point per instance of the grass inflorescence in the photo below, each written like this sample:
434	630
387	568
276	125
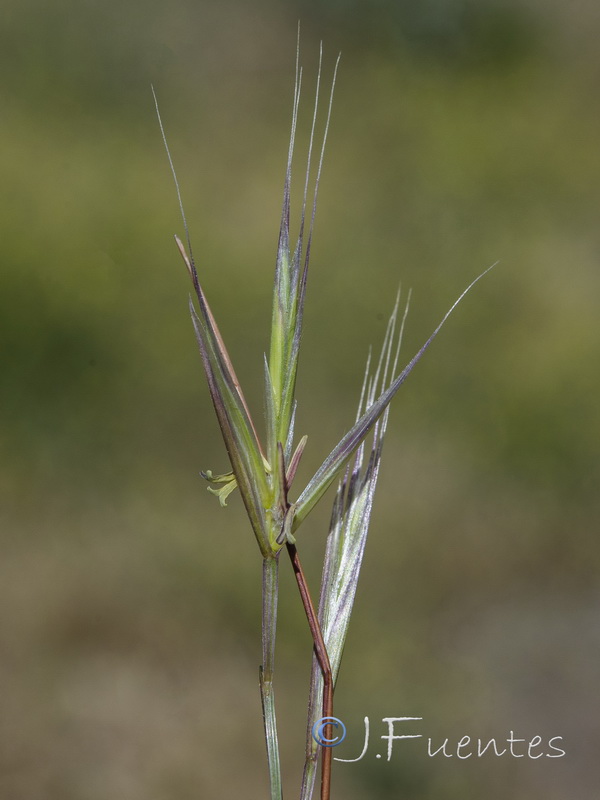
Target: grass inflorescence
264	471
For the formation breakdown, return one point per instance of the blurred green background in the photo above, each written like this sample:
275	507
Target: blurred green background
463	132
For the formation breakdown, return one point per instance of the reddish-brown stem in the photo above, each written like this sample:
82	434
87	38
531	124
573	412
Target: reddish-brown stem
323	659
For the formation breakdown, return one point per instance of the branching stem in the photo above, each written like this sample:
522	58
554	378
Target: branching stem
323	659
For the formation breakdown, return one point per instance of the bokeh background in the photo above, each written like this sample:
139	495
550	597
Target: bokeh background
463	132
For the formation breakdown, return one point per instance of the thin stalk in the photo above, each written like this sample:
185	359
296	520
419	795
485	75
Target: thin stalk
269	625
312	748
323	659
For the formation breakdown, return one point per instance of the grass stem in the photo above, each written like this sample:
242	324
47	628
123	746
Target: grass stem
323	659
269	625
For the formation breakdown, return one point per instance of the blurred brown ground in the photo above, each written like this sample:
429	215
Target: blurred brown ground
462	133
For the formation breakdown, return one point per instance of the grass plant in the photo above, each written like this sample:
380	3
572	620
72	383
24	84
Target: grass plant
264	471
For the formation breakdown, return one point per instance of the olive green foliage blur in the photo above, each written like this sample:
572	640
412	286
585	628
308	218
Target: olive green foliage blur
462	133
